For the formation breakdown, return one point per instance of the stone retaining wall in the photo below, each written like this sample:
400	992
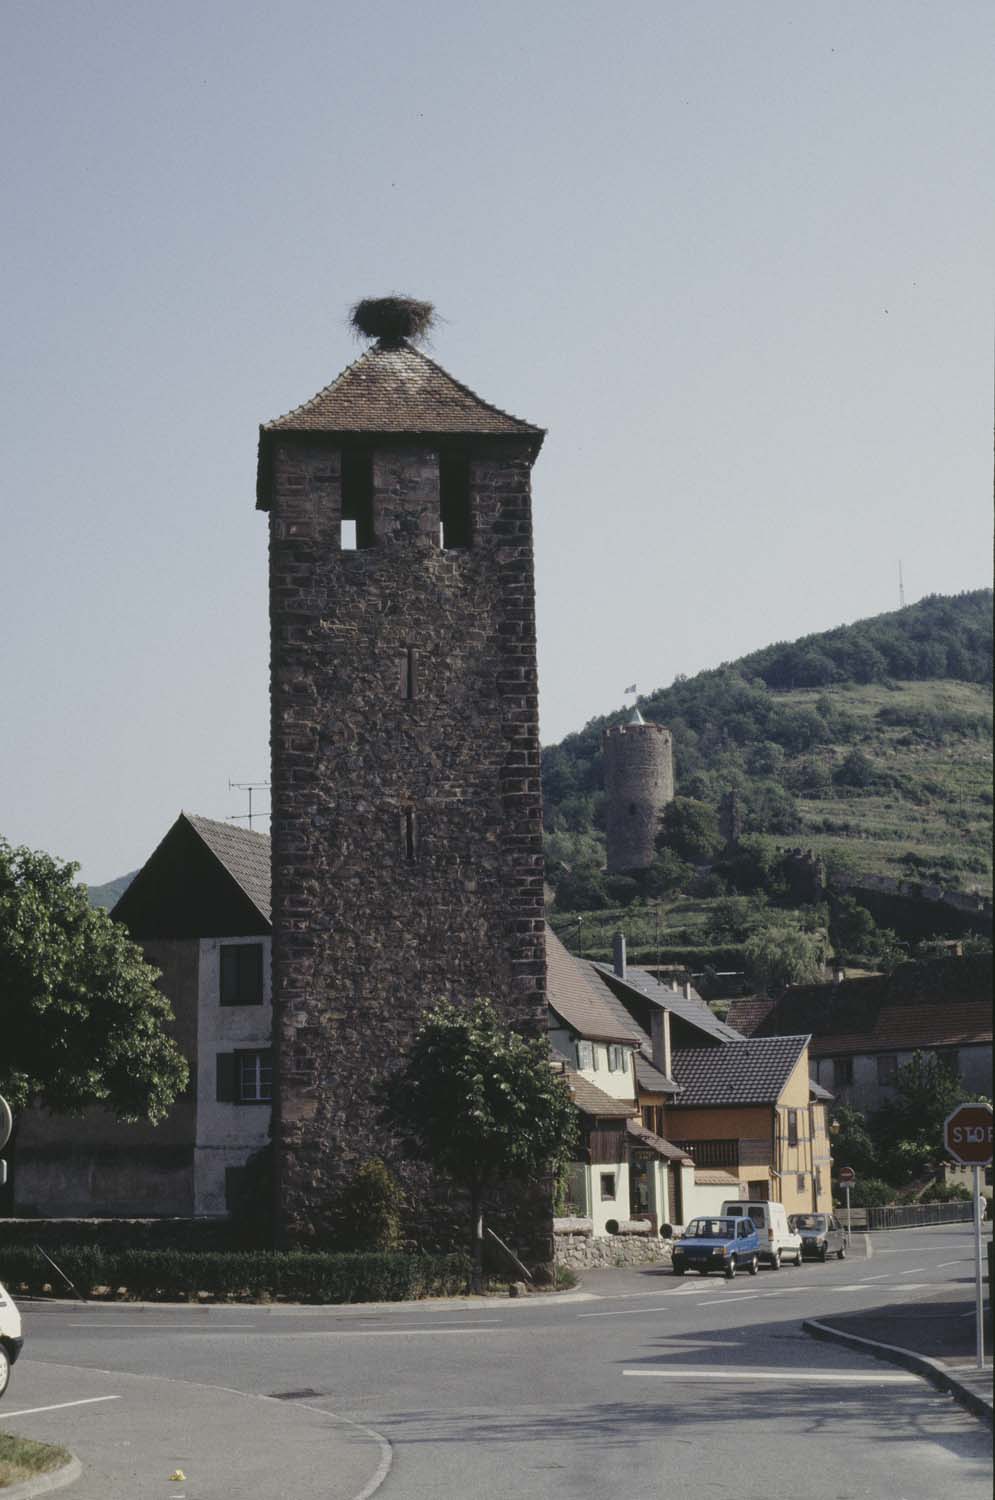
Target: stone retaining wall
587	1251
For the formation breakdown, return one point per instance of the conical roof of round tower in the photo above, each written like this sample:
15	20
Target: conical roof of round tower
394	389
636	717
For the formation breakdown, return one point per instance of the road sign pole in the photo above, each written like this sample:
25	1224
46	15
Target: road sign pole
848	1219
979	1304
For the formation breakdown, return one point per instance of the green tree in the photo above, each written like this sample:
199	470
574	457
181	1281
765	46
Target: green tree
908	1128
370	1209
481	1104
84	1022
779	954
690	829
853	1144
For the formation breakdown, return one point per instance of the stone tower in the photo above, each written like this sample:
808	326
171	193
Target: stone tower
406	805
639	782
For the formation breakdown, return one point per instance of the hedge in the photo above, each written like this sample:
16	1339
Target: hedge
246	1275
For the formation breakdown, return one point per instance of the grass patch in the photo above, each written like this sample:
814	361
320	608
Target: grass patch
21	1458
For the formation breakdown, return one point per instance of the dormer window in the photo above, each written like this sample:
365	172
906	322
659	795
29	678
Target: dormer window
585	1055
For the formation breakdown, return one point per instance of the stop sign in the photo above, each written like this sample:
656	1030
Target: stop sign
847	1176
967	1134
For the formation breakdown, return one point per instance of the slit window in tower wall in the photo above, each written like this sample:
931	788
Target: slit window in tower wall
357	499
455	522
410	834
409	674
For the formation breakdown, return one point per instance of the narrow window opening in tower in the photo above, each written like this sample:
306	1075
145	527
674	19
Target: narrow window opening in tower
357	499
409	674
632	808
410	834
455	520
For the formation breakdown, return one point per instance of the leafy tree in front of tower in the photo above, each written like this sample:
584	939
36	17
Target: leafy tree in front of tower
691	830
83	1020
481	1104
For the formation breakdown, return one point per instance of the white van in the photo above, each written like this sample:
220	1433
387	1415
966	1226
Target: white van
11	1341
777	1241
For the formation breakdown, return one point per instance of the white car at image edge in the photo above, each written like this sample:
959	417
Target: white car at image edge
11	1338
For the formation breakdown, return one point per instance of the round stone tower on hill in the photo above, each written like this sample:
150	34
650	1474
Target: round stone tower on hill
639	782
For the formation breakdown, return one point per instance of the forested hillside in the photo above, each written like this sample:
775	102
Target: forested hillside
870	744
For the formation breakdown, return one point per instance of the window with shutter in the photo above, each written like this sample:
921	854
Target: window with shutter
242	974
227	1076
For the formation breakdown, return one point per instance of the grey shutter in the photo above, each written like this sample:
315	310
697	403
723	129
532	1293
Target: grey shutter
227	1078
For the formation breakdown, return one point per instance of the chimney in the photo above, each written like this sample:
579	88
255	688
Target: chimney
618	954
839	974
660	1039
687	989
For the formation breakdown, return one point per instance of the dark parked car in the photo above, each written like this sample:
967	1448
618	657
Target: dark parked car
822	1235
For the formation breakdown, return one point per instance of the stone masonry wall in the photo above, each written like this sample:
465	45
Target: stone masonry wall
639	782
588	1252
366	936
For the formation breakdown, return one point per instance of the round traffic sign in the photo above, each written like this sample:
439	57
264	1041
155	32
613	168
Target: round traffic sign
6	1122
847	1176
967	1134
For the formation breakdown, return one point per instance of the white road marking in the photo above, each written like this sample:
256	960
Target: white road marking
141	1327
743	1297
627	1312
912	1272
883	1277
630	1296
944	1263
812	1376
29	1411
380	1333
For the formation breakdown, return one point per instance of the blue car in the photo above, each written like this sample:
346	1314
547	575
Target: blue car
726	1245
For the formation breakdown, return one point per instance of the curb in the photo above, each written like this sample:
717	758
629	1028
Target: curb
55	1479
933	1370
267	1309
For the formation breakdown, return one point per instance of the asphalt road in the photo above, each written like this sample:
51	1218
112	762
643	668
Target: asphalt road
642	1383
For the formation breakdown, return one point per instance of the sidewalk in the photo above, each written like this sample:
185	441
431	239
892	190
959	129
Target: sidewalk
935	1337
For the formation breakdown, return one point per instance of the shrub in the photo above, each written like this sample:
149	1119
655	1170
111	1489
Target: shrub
946	1192
874	1192
251	1275
370	1209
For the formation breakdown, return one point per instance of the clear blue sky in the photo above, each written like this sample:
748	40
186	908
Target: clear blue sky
735	256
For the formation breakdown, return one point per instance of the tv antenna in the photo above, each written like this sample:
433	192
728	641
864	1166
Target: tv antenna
901	586
250	787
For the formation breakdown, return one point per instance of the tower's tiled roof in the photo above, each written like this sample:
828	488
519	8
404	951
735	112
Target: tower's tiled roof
396	388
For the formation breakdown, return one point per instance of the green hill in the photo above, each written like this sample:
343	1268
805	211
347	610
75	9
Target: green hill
109	894
869	744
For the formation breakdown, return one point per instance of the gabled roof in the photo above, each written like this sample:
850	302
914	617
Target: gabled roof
244	854
689	1008
751	1071
748	1014
931	1003
204	879
591	1100
579	1001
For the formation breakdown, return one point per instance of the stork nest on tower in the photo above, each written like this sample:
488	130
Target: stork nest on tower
392	319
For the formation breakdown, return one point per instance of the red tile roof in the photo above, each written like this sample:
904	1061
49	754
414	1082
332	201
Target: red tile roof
909	1027
396	388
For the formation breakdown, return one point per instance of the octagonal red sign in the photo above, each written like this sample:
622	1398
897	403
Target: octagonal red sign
967	1134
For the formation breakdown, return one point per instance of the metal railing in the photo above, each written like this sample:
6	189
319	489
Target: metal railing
915	1215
